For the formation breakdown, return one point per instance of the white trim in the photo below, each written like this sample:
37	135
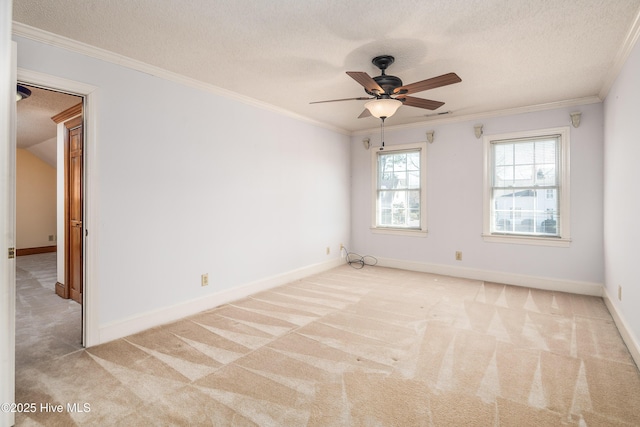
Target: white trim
141	322
527	240
51	39
90	292
91	220
623	53
564	190
40	79
625	330
536	282
458	117
400	231
60	203
422	231
8	55
22	30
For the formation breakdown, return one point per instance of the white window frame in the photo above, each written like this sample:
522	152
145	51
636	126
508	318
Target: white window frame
422	230
564	219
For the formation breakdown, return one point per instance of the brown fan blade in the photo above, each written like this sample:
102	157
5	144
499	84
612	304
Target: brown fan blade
366	81
420	103
365	113
432	83
361	98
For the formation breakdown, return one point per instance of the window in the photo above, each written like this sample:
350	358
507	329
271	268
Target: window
399	189
526	179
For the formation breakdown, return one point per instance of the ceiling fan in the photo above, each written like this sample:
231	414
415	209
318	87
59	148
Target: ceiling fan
387	93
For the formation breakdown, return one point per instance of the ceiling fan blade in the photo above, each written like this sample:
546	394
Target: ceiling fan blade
420	103
365	113
361	98
366	81
432	83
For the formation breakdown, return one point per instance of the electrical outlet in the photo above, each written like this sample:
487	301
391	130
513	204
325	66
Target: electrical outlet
204	279
458	256
52	238
619	293
341	246
328	250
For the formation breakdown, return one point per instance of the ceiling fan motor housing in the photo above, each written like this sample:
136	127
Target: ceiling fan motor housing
388	83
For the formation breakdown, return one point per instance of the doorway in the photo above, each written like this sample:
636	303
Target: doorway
43	133
90	309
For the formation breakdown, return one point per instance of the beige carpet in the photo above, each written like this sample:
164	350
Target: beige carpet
370	347
47	326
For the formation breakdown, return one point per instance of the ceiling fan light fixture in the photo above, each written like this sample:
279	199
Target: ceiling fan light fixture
385	107
22	93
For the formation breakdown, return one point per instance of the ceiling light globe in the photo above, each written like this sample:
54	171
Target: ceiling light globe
383	107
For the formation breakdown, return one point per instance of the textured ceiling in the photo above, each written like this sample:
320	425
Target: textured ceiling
509	54
34	124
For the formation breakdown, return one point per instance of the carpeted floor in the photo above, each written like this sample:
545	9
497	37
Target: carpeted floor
47	326
370	347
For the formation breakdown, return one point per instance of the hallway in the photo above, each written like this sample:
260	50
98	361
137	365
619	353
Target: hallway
47	326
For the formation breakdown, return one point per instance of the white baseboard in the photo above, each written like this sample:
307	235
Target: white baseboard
571	286
625	331
546	283
165	315
141	322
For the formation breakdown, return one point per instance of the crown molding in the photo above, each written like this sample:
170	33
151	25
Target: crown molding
67	114
487	115
623	53
45	37
55	40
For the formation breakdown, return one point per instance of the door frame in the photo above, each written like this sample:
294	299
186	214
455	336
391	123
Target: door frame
90	319
7	223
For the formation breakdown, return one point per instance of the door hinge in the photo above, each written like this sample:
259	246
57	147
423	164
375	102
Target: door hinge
12	253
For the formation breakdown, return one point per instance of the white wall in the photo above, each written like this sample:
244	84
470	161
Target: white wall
454	210
35	201
622	194
46	151
190	182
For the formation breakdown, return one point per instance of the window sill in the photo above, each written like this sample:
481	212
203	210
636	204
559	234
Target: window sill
399	231
527	240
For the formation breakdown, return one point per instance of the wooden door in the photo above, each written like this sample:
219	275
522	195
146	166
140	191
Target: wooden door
73	203
74	213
